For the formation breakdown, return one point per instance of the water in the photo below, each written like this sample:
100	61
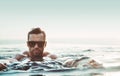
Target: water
108	55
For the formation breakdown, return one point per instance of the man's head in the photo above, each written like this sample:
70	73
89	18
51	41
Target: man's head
36	43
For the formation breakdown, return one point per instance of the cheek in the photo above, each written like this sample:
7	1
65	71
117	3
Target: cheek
30	48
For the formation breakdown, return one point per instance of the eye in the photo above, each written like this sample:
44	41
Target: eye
41	44
31	43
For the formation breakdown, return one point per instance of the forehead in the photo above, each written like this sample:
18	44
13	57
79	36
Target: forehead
36	37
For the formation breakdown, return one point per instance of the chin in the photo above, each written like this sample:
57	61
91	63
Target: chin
37	54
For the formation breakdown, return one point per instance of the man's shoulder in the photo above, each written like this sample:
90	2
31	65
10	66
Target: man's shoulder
25	52
21	56
45	53
48	54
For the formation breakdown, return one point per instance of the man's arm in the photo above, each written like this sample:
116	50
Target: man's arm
2	66
18	57
95	64
83	62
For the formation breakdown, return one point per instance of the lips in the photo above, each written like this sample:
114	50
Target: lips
36	52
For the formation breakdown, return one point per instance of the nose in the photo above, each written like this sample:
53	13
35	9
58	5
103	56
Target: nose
36	46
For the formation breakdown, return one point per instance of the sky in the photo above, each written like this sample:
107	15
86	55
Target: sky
61	19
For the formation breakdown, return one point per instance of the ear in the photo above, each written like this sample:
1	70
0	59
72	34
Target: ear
45	44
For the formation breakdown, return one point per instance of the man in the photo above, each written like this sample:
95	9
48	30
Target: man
36	43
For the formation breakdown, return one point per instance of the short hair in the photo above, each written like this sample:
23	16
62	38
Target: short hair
36	31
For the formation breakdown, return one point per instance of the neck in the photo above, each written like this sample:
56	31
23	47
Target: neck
36	58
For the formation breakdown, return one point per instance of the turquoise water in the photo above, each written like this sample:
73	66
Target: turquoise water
108	55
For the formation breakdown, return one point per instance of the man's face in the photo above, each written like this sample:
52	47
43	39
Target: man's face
36	45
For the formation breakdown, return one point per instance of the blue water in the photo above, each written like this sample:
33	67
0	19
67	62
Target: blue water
108	55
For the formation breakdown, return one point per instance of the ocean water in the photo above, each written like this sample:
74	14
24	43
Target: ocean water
108	55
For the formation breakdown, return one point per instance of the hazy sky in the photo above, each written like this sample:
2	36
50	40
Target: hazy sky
99	19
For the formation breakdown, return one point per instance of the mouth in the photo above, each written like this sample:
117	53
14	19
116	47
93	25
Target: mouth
36	52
